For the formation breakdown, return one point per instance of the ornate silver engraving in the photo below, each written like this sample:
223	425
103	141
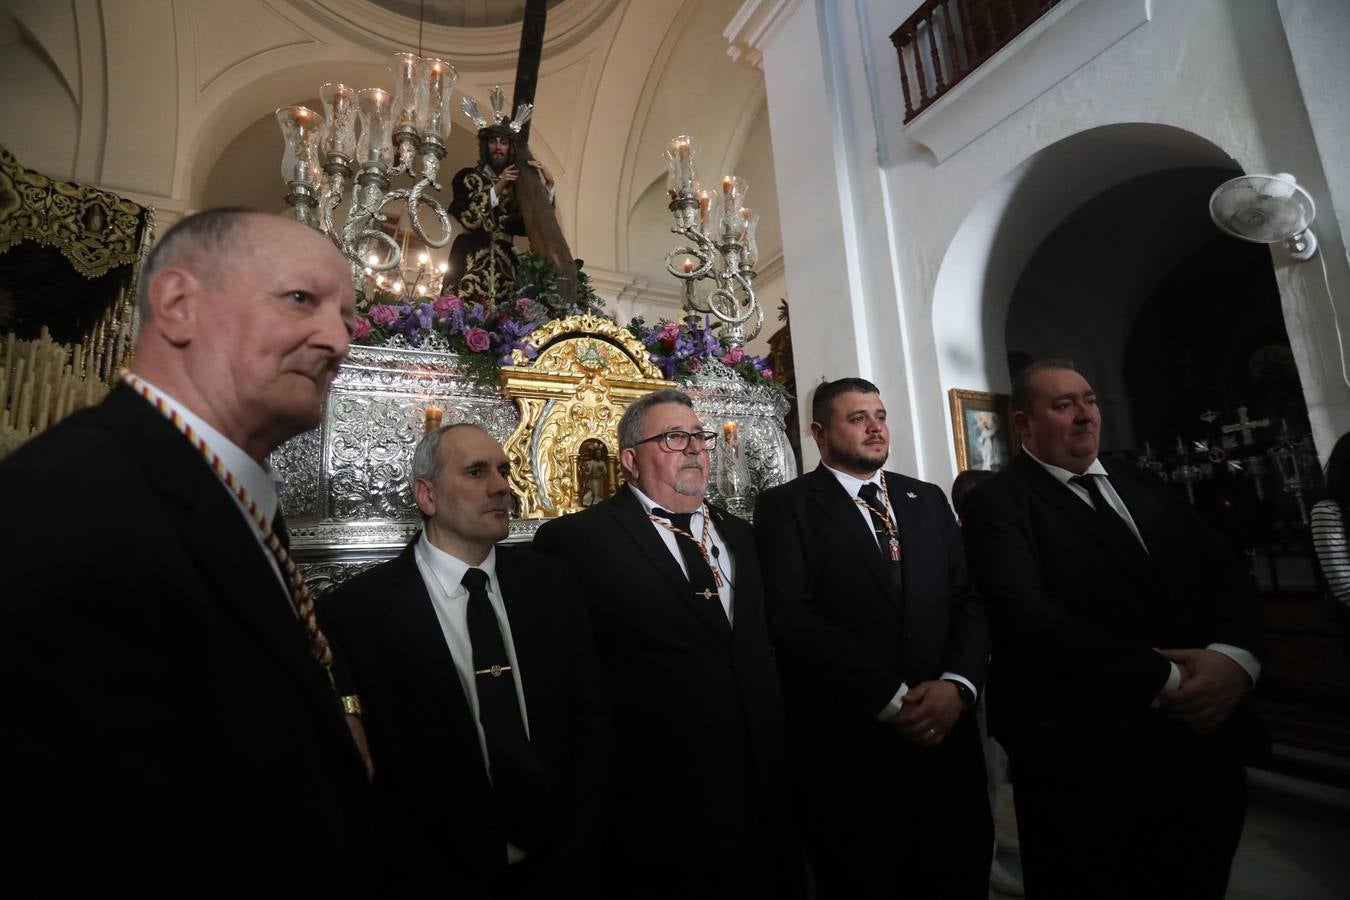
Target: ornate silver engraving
346	491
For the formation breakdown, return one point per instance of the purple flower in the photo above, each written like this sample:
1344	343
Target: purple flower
454	321
477	339
475	313
383	314
444	305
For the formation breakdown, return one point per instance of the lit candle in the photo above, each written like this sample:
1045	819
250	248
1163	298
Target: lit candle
727	181
704	205
433	418
688	266
729	429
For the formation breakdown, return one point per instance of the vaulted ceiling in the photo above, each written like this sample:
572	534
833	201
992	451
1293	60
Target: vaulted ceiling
171	101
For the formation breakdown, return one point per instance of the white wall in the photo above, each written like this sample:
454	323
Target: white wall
912	261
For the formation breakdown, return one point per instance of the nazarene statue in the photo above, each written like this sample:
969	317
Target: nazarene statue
482	259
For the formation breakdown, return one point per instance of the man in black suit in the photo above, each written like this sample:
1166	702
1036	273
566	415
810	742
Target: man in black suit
1125	640
483	699
171	728
883	646
676	602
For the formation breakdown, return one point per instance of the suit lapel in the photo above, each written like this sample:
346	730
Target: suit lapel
829	494
222	543
411	608
633	521
1063	498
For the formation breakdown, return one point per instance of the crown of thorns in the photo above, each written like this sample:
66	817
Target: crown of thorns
498	100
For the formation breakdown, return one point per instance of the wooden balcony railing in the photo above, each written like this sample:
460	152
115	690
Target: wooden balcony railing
945	40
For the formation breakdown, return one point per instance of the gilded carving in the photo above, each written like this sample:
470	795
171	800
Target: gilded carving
95	230
570	401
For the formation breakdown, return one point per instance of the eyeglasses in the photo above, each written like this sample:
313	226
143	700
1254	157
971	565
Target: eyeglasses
677	441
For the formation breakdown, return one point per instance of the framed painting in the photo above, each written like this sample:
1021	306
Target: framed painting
982	427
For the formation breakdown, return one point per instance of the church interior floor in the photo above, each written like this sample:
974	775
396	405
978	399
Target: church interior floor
1295	845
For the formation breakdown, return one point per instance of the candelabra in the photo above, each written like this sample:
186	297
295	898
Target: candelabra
722	247
1296	465
424	280
733	476
400	133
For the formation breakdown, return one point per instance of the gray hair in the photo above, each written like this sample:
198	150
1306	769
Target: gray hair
208	236
630	424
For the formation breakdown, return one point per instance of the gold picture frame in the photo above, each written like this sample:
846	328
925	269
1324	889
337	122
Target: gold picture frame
982	427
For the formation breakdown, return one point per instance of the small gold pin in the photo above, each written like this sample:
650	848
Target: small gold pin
911	495
706	593
494	671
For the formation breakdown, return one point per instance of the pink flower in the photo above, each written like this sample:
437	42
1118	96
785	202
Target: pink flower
477	339
360	328
523	304
669	331
444	304
766	372
382	314
734	355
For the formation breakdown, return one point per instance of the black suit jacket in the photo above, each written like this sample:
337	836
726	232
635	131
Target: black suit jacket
167	731
846	640
430	771
1076	616
699	772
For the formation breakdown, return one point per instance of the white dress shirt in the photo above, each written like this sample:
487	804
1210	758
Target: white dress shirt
852	484
443	575
257	479
1243	658
717	549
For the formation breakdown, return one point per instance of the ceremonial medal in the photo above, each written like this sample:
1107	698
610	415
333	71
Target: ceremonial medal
895	549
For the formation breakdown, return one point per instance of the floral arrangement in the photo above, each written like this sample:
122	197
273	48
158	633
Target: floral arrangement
681	348
484	333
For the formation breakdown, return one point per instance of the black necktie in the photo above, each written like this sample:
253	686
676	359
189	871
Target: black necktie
515	769
1110	520
875	507
700	574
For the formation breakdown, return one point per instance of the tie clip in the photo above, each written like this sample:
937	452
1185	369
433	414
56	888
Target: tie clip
494	671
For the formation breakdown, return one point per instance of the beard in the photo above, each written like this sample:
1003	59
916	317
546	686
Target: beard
865	459
691	481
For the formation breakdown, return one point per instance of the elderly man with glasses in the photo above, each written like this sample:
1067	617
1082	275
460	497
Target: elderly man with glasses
676	602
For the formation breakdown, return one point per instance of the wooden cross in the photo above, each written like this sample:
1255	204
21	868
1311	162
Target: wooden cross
1245	426
541	222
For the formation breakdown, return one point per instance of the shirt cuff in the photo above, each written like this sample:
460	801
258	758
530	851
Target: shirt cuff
893	708
492	195
952	676
1173	682
1244	658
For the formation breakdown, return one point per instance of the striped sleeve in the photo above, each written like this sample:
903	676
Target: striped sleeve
1328	533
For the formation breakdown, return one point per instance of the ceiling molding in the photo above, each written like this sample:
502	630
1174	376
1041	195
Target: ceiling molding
494	47
754	26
